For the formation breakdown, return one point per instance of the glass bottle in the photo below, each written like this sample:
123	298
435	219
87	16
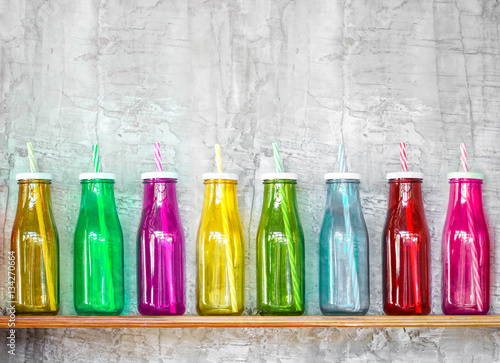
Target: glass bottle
343	249
160	248
406	253
220	249
98	249
466	248
35	248
280	249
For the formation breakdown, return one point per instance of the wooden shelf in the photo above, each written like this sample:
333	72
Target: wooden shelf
250	321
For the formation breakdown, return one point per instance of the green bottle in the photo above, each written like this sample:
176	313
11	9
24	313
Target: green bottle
98	249
280	249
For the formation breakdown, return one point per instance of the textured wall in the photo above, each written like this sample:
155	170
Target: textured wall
309	74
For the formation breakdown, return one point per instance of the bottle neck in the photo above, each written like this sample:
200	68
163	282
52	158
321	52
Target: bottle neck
338	190
219	190
32	192
103	189
466	191
276	192
404	192
158	192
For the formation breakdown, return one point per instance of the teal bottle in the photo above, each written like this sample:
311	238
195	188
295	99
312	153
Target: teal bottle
98	249
344	286
280	249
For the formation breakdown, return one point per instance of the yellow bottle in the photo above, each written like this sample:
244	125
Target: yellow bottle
220	249
35	247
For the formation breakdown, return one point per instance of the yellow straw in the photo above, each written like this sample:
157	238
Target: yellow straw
218	158
225	226
46	261
39	212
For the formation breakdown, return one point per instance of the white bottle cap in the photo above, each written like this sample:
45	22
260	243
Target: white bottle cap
24	176
222	176
336	176
405	175
282	176
160	175
465	175
86	176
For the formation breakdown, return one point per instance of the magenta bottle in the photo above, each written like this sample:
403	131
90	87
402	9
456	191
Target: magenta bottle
160	248
466	248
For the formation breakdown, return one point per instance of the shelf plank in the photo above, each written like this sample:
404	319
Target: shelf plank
250	321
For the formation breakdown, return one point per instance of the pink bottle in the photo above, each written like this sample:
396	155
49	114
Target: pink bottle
466	248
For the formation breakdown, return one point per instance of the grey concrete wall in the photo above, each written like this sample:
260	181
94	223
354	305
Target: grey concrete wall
308	74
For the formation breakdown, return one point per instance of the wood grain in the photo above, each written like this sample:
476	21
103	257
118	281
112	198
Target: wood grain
251	321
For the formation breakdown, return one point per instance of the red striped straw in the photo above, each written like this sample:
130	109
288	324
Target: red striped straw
413	244
402	156
463	158
158	157
475	272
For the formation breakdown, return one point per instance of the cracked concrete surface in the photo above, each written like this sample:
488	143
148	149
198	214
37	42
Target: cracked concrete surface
308	74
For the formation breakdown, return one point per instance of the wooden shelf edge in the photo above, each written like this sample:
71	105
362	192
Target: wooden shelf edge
250	322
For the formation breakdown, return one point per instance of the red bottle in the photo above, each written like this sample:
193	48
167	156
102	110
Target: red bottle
406	248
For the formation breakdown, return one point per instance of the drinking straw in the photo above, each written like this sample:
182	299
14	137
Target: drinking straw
342	167
225	226
95	158
102	224
470	221
288	231
43	232
31	158
475	260
349	233
158	157
409	221
463	158
164	227
402	156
